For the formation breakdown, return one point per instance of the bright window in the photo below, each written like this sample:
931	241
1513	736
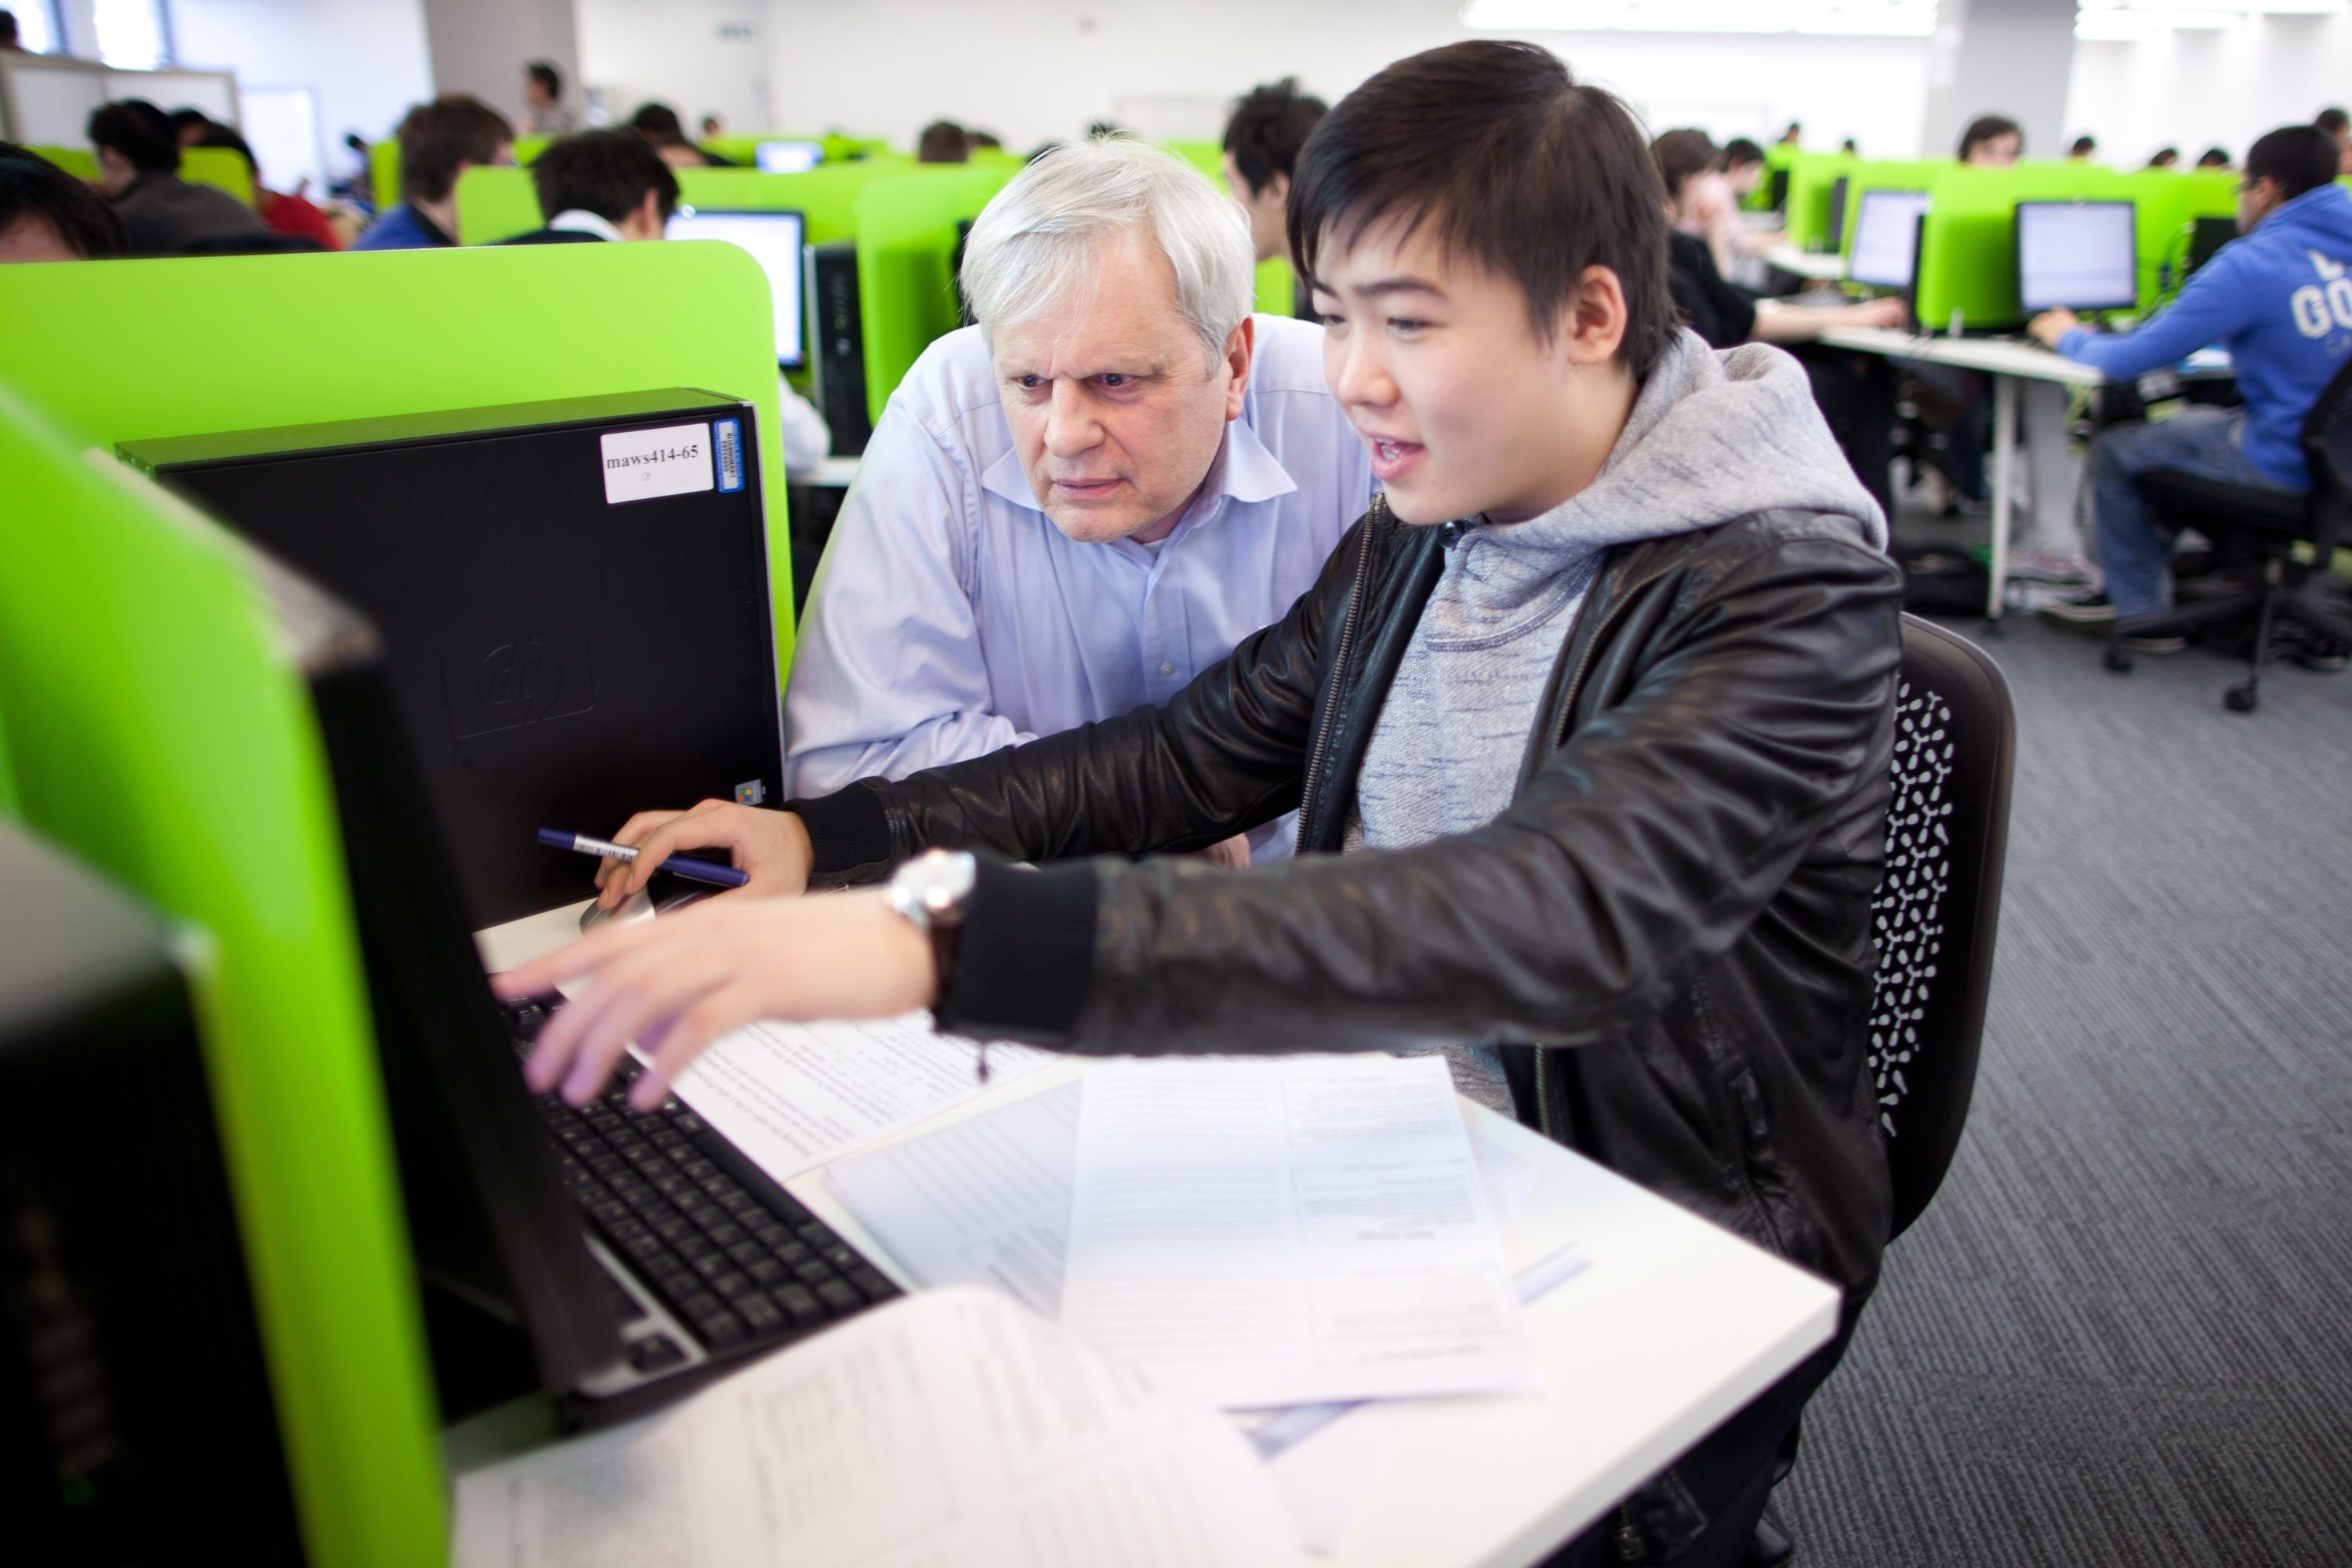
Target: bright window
130	34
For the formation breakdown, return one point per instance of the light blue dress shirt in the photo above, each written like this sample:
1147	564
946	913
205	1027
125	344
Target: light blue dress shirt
951	617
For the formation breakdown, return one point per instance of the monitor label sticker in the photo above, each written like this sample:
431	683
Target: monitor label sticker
642	464
727	441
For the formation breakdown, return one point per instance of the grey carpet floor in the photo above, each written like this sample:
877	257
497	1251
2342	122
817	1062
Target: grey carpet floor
2123	1334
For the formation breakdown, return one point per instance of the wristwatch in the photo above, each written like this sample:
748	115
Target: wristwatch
932	891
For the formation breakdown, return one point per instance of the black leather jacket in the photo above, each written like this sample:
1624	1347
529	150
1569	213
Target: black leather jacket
1680	889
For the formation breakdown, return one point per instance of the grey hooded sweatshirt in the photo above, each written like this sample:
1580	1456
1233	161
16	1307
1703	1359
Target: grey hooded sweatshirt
1712	436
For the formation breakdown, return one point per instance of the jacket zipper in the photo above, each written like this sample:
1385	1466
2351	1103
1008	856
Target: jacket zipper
1567	706
1339	663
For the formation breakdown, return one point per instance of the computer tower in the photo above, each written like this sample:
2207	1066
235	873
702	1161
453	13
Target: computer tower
574	597
136	1420
837	355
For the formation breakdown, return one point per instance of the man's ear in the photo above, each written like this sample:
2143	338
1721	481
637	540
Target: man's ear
1276	189
1241	343
645	223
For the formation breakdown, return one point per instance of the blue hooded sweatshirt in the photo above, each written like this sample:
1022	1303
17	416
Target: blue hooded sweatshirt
2280	300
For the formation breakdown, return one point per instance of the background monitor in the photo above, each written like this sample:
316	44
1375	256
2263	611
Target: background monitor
1887	238
1776	190
2206	240
774	241
2076	256
789	157
1835	237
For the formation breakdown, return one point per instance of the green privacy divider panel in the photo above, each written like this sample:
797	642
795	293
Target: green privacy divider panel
215	166
1277	288
906	253
384	172
79	161
220	168
498	203
1968	256
118	350
842	148
1806	222
154	729
1209	157
494	204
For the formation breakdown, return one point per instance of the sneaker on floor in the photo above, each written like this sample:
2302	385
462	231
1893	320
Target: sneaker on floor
2084	611
2049	566
2313	650
2153	645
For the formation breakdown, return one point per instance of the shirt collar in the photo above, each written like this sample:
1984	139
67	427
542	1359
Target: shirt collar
1243	470
580	220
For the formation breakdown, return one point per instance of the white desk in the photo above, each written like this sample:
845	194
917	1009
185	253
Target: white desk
1816	266
1672	1326
2011	365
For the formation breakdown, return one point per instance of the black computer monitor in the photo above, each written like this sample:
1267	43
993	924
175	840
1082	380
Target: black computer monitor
1885	252
774	241
1776	190
963	304
575	595
789	157
2207	238
2076	256
1835	238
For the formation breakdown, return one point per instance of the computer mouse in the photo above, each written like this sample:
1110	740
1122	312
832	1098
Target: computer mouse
637	906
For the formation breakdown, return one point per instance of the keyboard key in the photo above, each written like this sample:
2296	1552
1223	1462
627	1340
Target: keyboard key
838	1296
725	1234
766	1271
711	1264
748	1252
693	1248
732	1284
763	1315
798	1304
871	1285
772	1236
814	1234
812	1272
840	1258
721	1330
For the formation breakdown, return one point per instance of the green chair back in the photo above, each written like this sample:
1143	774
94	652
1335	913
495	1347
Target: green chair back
153	727
79	161
219	167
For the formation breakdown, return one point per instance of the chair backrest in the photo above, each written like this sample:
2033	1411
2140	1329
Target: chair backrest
2327	448
1938	903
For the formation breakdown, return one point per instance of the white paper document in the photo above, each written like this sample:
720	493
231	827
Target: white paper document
986	1201
795	1096
1288	1231
946	1429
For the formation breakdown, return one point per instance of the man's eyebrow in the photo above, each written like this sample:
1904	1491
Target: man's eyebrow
1404	285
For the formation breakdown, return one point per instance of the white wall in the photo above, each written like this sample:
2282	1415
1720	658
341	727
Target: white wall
481	46
700	56
1041	69
365	60
2198	89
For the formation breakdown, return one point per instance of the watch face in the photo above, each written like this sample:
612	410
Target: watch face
938	880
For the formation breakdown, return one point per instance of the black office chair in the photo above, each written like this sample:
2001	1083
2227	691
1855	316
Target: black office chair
1938	902
2264	525
1937	909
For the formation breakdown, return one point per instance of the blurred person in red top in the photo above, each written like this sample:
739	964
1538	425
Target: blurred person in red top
282	213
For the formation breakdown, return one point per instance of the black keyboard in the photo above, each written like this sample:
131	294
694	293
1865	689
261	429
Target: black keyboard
736	1260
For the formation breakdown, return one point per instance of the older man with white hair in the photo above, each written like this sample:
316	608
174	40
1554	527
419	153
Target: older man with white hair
1072	508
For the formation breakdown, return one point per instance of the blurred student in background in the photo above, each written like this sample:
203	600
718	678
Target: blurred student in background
2165	158
1268	127
2080	152
2214	158
47	214
609	186
438	141
658	123
139	169
542	90
1991	141
291	215
943	142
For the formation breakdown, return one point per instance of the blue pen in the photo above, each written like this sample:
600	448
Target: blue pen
693	870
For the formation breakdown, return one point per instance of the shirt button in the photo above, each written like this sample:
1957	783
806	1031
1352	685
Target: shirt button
1166	668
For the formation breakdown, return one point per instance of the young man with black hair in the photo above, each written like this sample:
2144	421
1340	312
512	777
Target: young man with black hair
1590	719
600	184
1268	127
542	91
438	141
610	185
2337	126
2083	149
139	169
2277	300
47	214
